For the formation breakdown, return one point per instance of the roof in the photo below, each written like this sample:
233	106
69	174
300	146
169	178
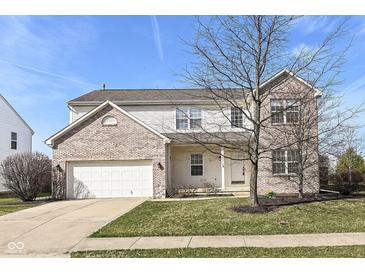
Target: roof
208	138
168	96
17	114
50	140
286	72
151	96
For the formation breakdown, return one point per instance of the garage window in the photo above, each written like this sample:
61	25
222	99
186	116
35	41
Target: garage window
196	164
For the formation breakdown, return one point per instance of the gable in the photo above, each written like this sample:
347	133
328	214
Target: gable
9	115
285	76
95	117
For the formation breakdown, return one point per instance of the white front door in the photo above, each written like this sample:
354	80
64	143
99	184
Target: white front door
104	179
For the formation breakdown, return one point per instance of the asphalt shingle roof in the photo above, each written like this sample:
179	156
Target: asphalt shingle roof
145	95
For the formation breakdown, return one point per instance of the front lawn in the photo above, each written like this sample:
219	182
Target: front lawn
215	217
11	204
238	252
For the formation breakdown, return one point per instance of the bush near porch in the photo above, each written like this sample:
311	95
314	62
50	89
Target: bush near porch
216	217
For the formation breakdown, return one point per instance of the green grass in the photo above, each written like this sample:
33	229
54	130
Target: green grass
215	217
11	204
237	252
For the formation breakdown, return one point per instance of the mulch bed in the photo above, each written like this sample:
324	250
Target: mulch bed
267	204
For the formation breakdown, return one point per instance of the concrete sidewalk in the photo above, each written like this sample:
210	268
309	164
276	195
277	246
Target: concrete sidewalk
268	241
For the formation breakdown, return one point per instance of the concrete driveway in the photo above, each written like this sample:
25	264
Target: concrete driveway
54	229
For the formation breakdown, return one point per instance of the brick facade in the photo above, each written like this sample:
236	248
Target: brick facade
275	136
128	140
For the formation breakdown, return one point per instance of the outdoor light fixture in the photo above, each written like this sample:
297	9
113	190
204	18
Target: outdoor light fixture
160	166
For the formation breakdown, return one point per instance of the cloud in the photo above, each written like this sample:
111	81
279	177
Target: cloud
302	48
312	24
48	73
357	85
35	73
156	37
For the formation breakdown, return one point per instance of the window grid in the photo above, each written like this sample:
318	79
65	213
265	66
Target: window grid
196	164
14	140
236	117
285	161
284	111
188	118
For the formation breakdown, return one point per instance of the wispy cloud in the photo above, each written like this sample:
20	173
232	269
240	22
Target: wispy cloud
312	24
156	37
48	73
301	48
34	76
357	85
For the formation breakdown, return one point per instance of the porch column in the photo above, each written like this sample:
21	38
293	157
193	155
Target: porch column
222	168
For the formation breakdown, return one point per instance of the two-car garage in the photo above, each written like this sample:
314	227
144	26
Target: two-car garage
105	179
103	159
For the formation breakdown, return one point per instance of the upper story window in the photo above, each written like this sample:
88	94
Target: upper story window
14	140
196	164
284	111
236	117
285	161
109	121
188	118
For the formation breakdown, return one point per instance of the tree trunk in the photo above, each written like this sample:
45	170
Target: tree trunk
300	190
253	185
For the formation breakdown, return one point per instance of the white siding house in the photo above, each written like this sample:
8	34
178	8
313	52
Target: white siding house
15	133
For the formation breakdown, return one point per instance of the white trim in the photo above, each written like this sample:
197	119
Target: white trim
191	165
222	168
318	92
51	139
187	115
13	109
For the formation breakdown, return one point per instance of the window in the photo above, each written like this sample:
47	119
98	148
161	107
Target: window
182	120
277	112
278	161
188	118
285	161
196	164
293	159
109	121
14	140
292	112
284	111
236	117
195	118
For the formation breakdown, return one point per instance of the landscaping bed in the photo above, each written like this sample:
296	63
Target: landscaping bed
271	204
238	252
217	217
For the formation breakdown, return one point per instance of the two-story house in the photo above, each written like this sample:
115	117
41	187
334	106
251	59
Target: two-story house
126	143
15	134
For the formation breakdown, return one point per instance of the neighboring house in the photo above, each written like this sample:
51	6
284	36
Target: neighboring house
125	143
15	133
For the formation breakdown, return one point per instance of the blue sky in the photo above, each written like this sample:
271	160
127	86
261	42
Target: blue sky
46	61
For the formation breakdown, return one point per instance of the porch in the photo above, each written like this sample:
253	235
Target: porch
213	169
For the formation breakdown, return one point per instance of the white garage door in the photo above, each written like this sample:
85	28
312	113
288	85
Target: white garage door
104	179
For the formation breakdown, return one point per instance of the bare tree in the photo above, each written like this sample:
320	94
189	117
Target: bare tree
236	55
316	123
26	173
350	155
